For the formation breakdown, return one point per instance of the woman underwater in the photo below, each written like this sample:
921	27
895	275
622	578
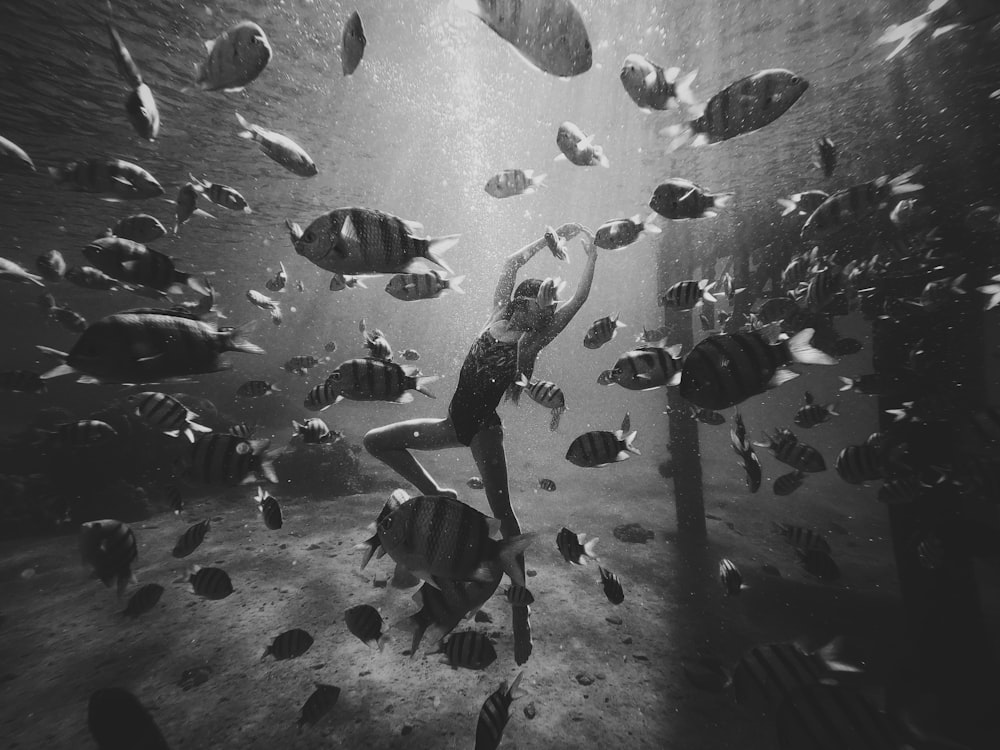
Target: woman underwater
520	326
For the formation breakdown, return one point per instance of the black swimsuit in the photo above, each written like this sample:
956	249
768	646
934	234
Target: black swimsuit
489	369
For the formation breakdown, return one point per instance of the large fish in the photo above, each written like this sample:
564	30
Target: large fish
134	263
235	58
145	346
680	199
549	34
369	379
218	458
857	202
352	44
366	241
742	107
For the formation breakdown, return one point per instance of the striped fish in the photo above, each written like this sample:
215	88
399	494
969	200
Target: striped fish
143	600
786	484
134	263
619	233
857	464
823	286
811	414
256	389
818	563
444	604
370	379
513	182
191	539
322	396
363	241
365	623
279	148
679	199
289	645
547	484
801	538
82	433
109	547
685	295
730	577
11	271
142	228
51	265
186	206
647	367
300	364
22	381
68	319
375	342
742	107
612	586
518	596
469	649
339	282
216	458
789	450
652	336
835	717
410	287
166	414
602	331
210	583
270	511
803	203
572	547
495	714
313	431
319	704
600	448
221	195
547	394
725	370
857	202
122	179
432	535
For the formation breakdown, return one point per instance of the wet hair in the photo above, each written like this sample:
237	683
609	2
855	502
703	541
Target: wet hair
526	291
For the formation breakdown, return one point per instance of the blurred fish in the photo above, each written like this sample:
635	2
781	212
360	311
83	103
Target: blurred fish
786	484
652	87
906	32
300	364
578	148
139	228
811	414
289	645
122	179
235	58
13	155
270	511
134	263
109	547
352	44
518	596
801	538
602	331
185	206
444	603
495	714
217	458
681	199
857	464
797	270
279	281
857	202
51	265
652	336
607	377
339	282
68	319
819	564
547	484
619	233
410	287
475	483
256	389
744	449
612	586
370	379
548	34
572	547
362	240
513	182
319	704
22	381
322	397
804	203
81	433
685	295
707	416
167	414
175	498
469	649
547	394
365	623
191	539
729	575
210	583
299	286
142	112
556	244
241	430
143	600
983	219
11	271
599	448
826	155
376	342
791	451
314	431
221	195
742	107
117	720
330	346
409	355
279	148
266	303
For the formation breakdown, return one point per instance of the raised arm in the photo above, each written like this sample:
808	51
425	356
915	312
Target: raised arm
513	263
565	314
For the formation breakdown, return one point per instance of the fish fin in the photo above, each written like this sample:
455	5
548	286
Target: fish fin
802	352
590	548
413	226
628	443
676	378
669	75
422	381
537	181
683	89
438	246
650	225
721	200
405	398
247	132
509	550
554	419
560	157
453	284
203	214
236	342
780	376
788	205
848	383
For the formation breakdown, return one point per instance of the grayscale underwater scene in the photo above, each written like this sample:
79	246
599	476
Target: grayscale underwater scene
537	374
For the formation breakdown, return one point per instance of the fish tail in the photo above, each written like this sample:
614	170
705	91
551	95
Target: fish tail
198	284
235	341
801	351
848	383
369	547
650	226
420	382
537	180
509	551
522	380
721	200
438	246
788	205
590	548
628	443
267	465
248	129
555	417
453	284
678	135
683	89
197	184
706	293
57	174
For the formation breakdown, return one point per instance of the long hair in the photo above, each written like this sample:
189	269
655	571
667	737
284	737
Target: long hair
526	290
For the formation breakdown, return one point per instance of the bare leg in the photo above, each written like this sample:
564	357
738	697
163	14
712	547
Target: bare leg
391	445
488	451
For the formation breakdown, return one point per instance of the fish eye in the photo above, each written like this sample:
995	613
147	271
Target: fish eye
796	80
387	523
308	236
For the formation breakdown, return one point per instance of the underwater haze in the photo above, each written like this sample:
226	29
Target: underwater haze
787	447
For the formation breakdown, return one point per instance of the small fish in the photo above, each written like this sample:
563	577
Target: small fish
80	434
143	600
221	195
365	623
300	364
826	155
278	281
579	149
175	498
266	303
679	199
51	266
11	271
410	287
600	448
469	649
547	394
234	58
495	714
801	538
612	586
109	547
475	483
89	277
602	331
648	367
547	484
371	379
289	645
556	244
167	414
280	148
804	203
729	575
409	355
117	719
786	484
513	182
322	397
186	205
857	464
375	342
518	596
313	431
330	346
819	564
572	547
122	179
352	44
191	539
685	295
791	451
13	155
857	202
652	87
210	583
139	228
619	233
256	389
300	287
319	704
339	282
270	511
811	414
68	319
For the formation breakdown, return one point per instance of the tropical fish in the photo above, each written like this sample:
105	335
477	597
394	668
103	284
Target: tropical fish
11	271
811	414
362	240
547	484
92	278
186	205
548	34
143	600
109	547
786	484
518	596
270	511
906	32
852	204
217	458
495	714
579	148
803	203
266	303
787	449
652	87
365	623
256	389
352	44
322	396
80	434
680	199
444	604
139	228
117	719
289	645
191	539
801	537
314	431
556	244
134	263
410	287
857	464
319	704
13	155
742	107
300	364
469	650
619	233
221	195
602	331
547	394
339	282
235	58
572	547
122	179
371	379
612	586
410	355
513	182
140	105
210	583
685	295
648	367
600	447
280	148
167	414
